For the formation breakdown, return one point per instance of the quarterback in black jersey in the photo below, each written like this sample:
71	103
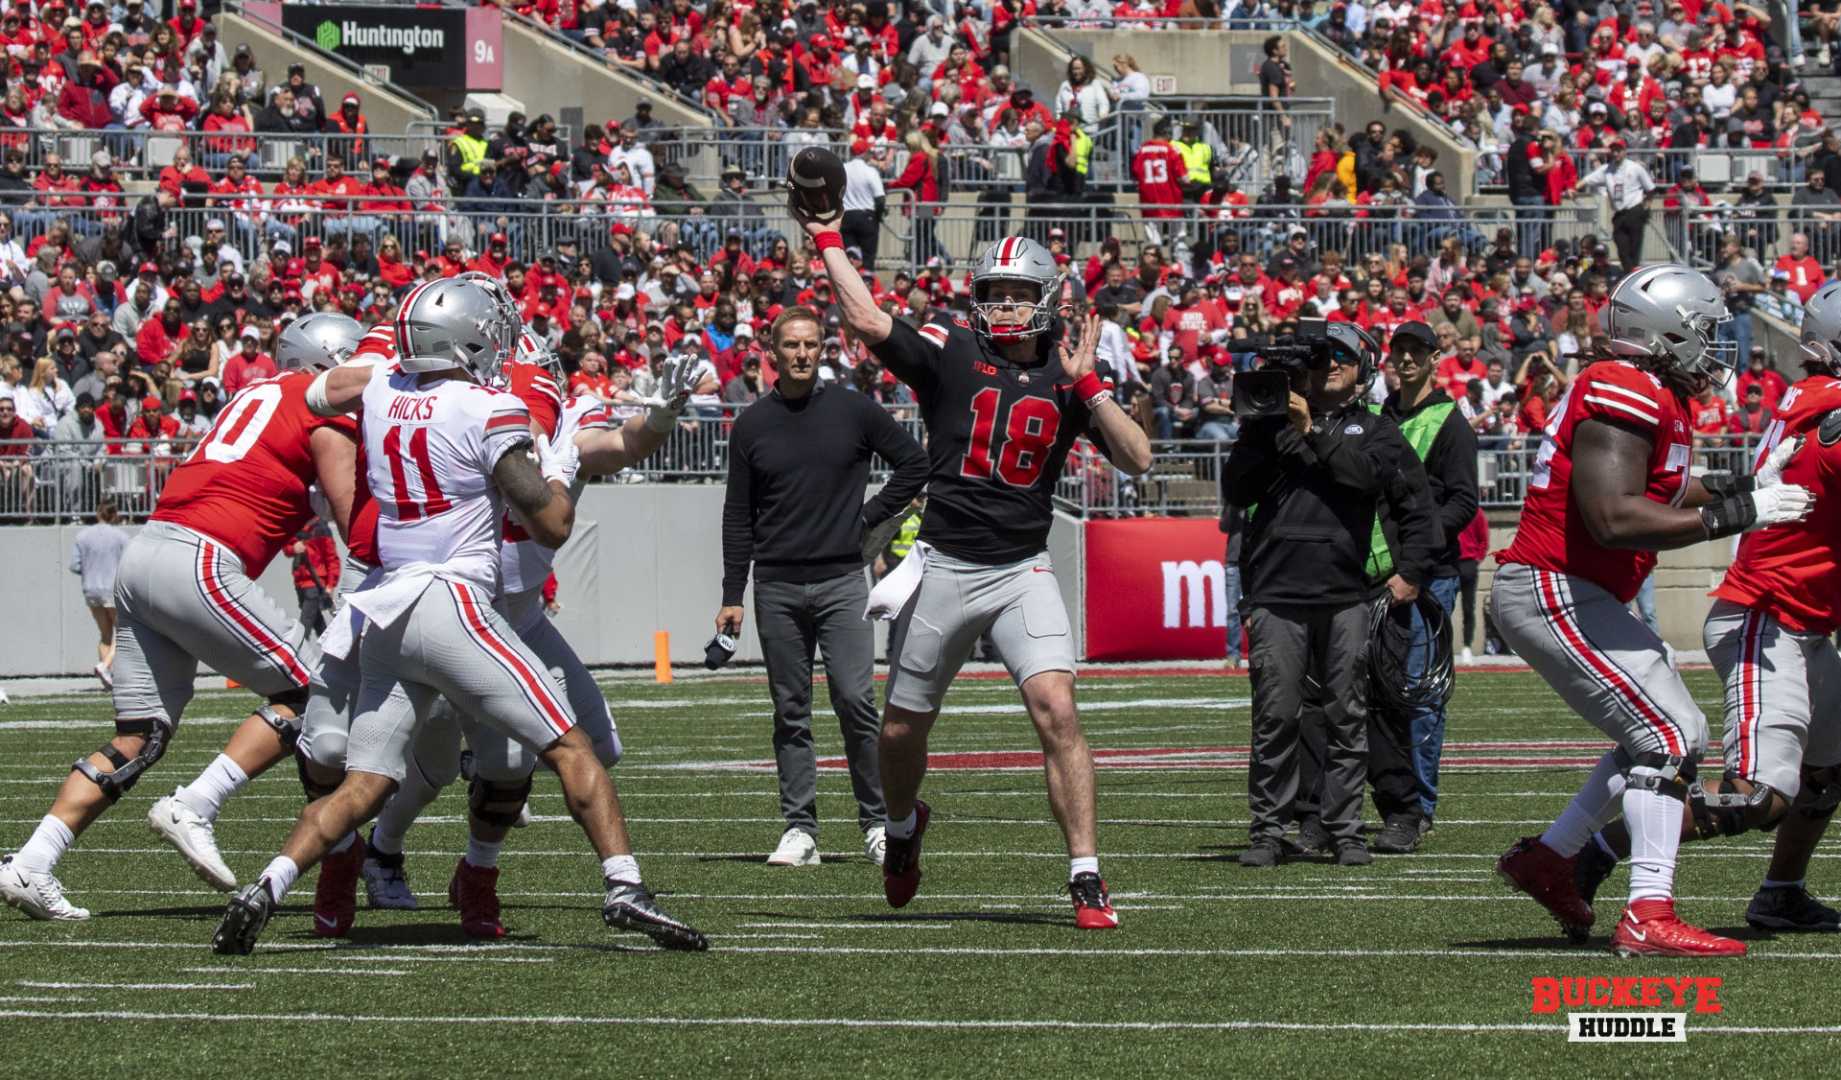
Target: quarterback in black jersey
1004	395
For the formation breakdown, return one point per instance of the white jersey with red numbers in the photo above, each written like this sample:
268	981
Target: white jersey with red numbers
524	564
245	485
429	456
1800	410
1553	535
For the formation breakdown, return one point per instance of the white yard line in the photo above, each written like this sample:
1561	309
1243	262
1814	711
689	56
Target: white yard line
32	984
845	926
941	1024
380	972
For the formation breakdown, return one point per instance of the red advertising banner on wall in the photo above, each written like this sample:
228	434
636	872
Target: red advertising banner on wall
1156	589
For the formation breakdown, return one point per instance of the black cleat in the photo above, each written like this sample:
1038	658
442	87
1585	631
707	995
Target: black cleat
1590	869
1791	908
629	906
1264	854
244	917
1399	836
1313	838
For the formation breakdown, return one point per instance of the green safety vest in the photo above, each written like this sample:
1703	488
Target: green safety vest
904	539
472	152
1196	158
1420	431
1083	150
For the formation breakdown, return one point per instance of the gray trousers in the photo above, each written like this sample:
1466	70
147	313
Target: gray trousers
1330	645
794	620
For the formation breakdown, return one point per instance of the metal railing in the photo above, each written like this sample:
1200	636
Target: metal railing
1185	476
1715	167
1697	232
48	480
913	233
142	153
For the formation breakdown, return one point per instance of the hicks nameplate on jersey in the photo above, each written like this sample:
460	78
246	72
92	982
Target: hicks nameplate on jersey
817	179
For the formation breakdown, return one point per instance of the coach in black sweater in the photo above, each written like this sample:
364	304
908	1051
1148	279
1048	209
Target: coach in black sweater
798	466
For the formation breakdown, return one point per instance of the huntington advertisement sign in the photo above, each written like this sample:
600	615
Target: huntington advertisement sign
432	47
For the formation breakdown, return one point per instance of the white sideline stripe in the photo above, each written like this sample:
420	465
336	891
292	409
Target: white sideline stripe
1041	1023
43	999
395	954
35	985
1122	901
385	972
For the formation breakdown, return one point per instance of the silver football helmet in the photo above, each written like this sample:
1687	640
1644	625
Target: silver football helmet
533	350
1821	337
316	342
455	323
1673	311
1014	258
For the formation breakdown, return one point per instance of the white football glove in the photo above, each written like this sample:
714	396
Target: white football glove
1780	504
1770	474
676	378
558	463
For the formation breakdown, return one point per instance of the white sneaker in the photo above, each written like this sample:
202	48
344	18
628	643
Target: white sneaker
102	672
875	844
1467	658
385	886
797	848
182	827
39	895
524	816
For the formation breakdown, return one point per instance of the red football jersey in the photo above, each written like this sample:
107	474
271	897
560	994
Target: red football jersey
1159	170
1798	411
1553	535
534	386
1792	571
246	484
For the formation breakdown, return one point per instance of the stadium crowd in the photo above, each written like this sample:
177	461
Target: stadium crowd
133	315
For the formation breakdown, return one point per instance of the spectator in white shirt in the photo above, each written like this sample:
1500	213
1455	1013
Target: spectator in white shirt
635	156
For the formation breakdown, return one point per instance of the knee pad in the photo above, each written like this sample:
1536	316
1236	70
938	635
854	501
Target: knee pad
1722	812
1820	794
295	699
1655	771
287	728
314	788
608	750
497	803
127	771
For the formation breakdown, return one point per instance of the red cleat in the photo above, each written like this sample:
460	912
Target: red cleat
335	895
901	872
1650	928
475	891
1092	903
1546	875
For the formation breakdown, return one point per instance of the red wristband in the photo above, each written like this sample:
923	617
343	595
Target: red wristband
1089	386
825	241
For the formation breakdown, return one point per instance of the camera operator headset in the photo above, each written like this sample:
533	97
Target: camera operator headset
1318	474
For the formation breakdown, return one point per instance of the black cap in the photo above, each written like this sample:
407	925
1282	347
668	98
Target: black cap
1415	332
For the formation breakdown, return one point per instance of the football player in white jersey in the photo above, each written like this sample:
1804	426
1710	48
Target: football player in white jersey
445	454
502	768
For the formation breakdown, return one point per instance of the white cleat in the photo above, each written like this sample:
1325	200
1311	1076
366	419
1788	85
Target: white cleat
39	895
797	848
192	836
1467	659
384	884
524	816
875	844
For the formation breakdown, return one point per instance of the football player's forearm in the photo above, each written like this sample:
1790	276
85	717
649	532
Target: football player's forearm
605	453
1127	446
859	309
1636	521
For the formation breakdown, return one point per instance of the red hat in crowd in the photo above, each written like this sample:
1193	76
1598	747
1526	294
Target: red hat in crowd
152	403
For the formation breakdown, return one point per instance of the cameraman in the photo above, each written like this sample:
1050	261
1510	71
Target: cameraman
1315	481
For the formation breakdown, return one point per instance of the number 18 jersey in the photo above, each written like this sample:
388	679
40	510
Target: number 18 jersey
245	485
429	454
998	436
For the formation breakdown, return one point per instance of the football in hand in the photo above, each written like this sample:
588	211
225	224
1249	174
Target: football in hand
816	178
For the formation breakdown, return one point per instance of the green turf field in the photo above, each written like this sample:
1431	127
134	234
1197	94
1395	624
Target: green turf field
1416	966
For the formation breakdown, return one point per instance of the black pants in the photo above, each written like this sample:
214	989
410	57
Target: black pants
860	230
1292	645
313	607
1627	233
1390	763
796	620
1467	599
